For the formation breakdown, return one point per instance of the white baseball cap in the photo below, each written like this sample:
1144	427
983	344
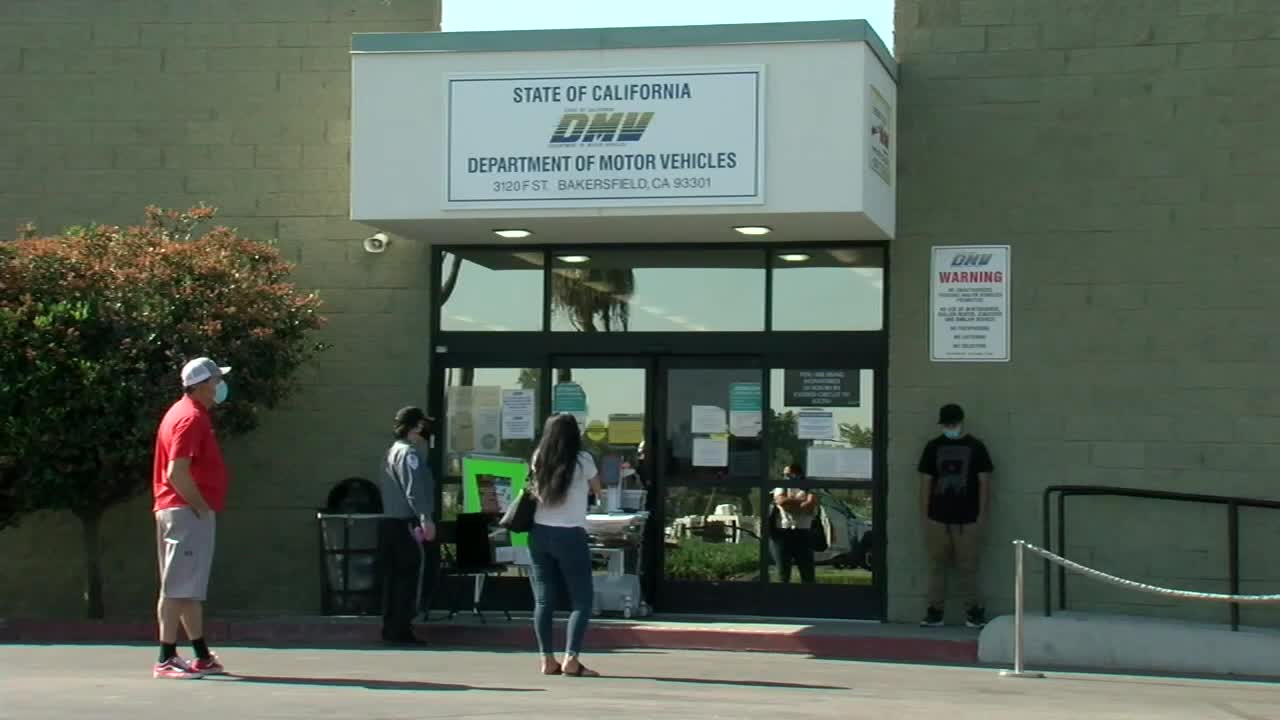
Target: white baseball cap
201	369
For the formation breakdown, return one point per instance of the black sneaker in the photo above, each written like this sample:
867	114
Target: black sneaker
932	618
976	617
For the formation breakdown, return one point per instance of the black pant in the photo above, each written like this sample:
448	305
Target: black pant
793	546
400	560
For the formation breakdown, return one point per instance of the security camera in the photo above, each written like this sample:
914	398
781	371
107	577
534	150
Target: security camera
376	243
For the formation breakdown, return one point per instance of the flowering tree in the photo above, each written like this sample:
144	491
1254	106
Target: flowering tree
94	325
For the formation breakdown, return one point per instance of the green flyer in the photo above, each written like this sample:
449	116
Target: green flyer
490	484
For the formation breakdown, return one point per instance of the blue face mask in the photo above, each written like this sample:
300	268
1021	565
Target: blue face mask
953	433
220	394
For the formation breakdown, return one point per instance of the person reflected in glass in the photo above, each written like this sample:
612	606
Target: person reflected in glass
563	476
791	523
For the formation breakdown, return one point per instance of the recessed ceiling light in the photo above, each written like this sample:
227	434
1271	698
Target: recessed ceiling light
753	229
793	257
512	234
575	259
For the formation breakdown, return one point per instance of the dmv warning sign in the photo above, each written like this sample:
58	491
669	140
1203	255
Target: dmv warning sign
969	304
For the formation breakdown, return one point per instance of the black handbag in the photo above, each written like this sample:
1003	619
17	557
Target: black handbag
818	533
519	514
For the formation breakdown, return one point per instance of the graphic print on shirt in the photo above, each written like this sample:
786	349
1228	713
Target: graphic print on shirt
953	470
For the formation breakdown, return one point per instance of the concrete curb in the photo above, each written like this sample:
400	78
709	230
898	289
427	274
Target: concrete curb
815	640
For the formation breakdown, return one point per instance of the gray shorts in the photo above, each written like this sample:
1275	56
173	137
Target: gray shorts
184	547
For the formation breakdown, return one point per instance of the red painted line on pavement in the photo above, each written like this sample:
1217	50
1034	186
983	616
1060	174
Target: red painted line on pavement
501	634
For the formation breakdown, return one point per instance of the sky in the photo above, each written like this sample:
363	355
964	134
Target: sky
471	15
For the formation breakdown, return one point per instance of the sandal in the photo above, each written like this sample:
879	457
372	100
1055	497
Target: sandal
553	669
582	671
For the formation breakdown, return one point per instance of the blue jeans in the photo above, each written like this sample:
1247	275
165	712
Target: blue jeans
561	563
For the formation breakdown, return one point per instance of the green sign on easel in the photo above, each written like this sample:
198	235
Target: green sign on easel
490	483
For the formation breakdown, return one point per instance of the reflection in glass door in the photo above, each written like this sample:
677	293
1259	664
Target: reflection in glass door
609	397
823	421
711	474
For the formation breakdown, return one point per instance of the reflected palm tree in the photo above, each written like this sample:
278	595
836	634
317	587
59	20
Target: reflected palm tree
588	295
468	375
594	300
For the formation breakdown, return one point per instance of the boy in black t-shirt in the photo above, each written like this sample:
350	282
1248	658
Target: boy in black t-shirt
955	473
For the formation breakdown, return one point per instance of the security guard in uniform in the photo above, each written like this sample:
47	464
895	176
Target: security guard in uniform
408	501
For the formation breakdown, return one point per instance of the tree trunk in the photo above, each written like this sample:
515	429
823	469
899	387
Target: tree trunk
90	527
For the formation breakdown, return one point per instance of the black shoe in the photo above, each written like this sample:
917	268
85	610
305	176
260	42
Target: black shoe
932	618
976	617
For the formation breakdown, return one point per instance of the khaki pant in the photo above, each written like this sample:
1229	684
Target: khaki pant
184	547
952	543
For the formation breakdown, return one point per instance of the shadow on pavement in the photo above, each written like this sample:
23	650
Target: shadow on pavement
369	684
734	683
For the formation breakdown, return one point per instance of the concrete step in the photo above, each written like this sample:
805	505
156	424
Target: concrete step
1121	643
818	638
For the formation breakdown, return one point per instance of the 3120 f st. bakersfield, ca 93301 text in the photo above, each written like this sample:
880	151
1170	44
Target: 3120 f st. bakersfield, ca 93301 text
596	184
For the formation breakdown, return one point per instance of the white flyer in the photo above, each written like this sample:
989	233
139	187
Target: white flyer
842	463
816	425
710	452
517	414
488	429
745	423
708	420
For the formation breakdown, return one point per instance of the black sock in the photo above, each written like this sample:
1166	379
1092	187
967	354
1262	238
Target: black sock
202	650
168	651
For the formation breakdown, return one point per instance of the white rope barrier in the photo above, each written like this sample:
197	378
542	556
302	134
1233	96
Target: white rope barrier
1019	546
1144	587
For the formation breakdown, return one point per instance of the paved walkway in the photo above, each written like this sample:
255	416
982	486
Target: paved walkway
113	683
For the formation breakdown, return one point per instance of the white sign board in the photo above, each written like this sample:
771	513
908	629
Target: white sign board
969	306
690	136
881	149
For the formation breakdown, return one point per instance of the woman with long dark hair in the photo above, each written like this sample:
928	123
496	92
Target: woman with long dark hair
563	475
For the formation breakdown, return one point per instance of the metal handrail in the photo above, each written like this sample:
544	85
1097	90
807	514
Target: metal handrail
1020	547
1233	505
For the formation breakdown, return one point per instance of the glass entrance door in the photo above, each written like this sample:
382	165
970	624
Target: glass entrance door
726	433
711	470
610	397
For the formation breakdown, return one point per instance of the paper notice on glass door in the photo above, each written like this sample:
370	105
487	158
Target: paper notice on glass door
745	423
841	463
708	420
517	414
488	429
816	425
710	452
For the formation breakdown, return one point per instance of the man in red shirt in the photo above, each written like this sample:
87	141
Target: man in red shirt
189	482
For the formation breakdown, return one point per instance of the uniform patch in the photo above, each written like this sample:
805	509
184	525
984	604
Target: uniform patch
412	459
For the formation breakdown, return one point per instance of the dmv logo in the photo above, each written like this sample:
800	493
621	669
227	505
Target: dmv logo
971	260
602	127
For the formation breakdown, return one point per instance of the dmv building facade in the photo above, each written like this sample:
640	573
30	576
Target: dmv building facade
745	246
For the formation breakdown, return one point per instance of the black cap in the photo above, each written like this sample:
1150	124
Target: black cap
950	414
410	416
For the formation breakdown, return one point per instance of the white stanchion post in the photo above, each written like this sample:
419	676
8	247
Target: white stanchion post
1019	671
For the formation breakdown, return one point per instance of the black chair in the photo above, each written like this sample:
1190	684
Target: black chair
472	557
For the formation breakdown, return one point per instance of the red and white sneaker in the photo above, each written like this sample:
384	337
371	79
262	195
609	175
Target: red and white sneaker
174	669
208	667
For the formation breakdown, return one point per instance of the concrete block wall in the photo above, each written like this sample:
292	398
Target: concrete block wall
111	106
1128	152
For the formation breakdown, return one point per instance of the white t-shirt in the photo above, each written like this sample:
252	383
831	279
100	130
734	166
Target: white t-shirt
572	510
796	519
